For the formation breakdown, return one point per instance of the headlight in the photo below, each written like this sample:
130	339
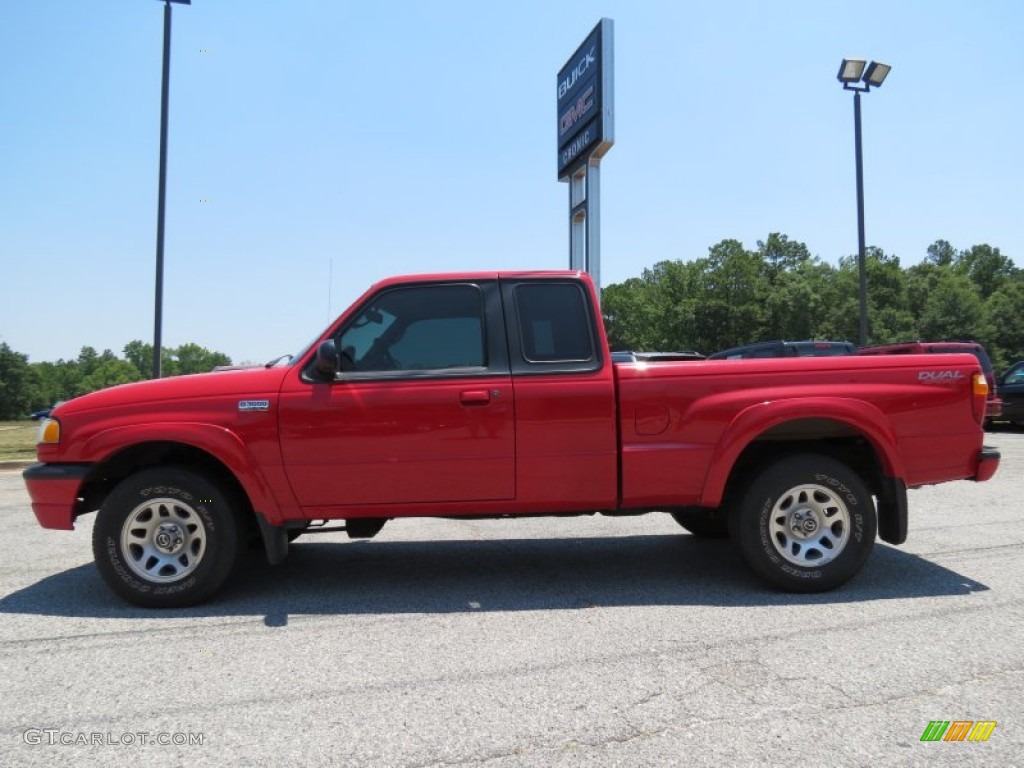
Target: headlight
49	431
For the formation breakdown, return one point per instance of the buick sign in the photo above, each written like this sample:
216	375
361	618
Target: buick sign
583	95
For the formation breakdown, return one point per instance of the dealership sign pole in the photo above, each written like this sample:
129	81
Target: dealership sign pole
585	100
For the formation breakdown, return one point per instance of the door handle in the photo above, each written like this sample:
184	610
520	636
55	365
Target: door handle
475	397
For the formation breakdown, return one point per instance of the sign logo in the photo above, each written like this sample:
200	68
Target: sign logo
577	111
589	59
580	143
958	730
254	405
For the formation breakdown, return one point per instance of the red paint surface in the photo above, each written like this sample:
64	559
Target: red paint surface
630	436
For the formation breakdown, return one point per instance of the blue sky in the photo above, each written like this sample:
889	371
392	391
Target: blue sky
341	142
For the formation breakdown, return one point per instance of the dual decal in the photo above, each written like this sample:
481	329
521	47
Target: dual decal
939	376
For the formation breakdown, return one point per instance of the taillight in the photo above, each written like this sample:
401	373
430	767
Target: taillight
979	388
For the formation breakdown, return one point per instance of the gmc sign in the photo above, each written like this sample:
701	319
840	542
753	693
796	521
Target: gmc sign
584	101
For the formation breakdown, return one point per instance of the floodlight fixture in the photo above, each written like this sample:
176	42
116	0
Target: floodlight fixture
876	73
850	70
860	75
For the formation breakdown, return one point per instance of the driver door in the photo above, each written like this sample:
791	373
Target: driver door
422	410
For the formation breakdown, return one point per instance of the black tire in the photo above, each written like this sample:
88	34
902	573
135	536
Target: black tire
166	537
702	522
806	523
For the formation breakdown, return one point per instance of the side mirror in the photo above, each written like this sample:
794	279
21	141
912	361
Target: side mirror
327	360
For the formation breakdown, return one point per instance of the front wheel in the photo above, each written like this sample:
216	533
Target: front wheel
806	524
166	538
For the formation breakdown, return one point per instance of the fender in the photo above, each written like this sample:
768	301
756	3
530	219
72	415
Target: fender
218	441
755	420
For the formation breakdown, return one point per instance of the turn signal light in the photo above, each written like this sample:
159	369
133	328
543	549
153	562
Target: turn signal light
49	431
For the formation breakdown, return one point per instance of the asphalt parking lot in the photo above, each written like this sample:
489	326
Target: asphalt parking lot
577	642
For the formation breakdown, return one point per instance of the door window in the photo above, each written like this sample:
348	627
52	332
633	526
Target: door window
419	328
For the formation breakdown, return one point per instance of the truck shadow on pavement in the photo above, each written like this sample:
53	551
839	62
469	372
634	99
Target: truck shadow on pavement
381	577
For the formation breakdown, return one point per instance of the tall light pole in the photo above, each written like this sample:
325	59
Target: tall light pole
162	190
851	73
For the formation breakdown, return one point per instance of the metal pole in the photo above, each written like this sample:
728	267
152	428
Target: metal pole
162	194
578	219
861	251
593	256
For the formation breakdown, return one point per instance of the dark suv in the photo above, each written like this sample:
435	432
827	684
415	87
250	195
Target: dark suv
993	407
786	349
1011	391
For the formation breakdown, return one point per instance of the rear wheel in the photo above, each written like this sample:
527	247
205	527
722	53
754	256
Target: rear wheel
166	537
806	524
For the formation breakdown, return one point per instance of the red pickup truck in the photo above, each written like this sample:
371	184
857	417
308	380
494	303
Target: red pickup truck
494	395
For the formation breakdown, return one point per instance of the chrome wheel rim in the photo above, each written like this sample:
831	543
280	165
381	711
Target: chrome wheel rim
809	525
163	540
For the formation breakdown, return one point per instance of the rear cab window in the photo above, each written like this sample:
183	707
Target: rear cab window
550	327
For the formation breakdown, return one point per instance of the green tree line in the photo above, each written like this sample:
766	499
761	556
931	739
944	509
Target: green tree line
27	387
779	290
732	296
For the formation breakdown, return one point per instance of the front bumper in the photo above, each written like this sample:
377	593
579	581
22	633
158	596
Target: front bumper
54	489
988	463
